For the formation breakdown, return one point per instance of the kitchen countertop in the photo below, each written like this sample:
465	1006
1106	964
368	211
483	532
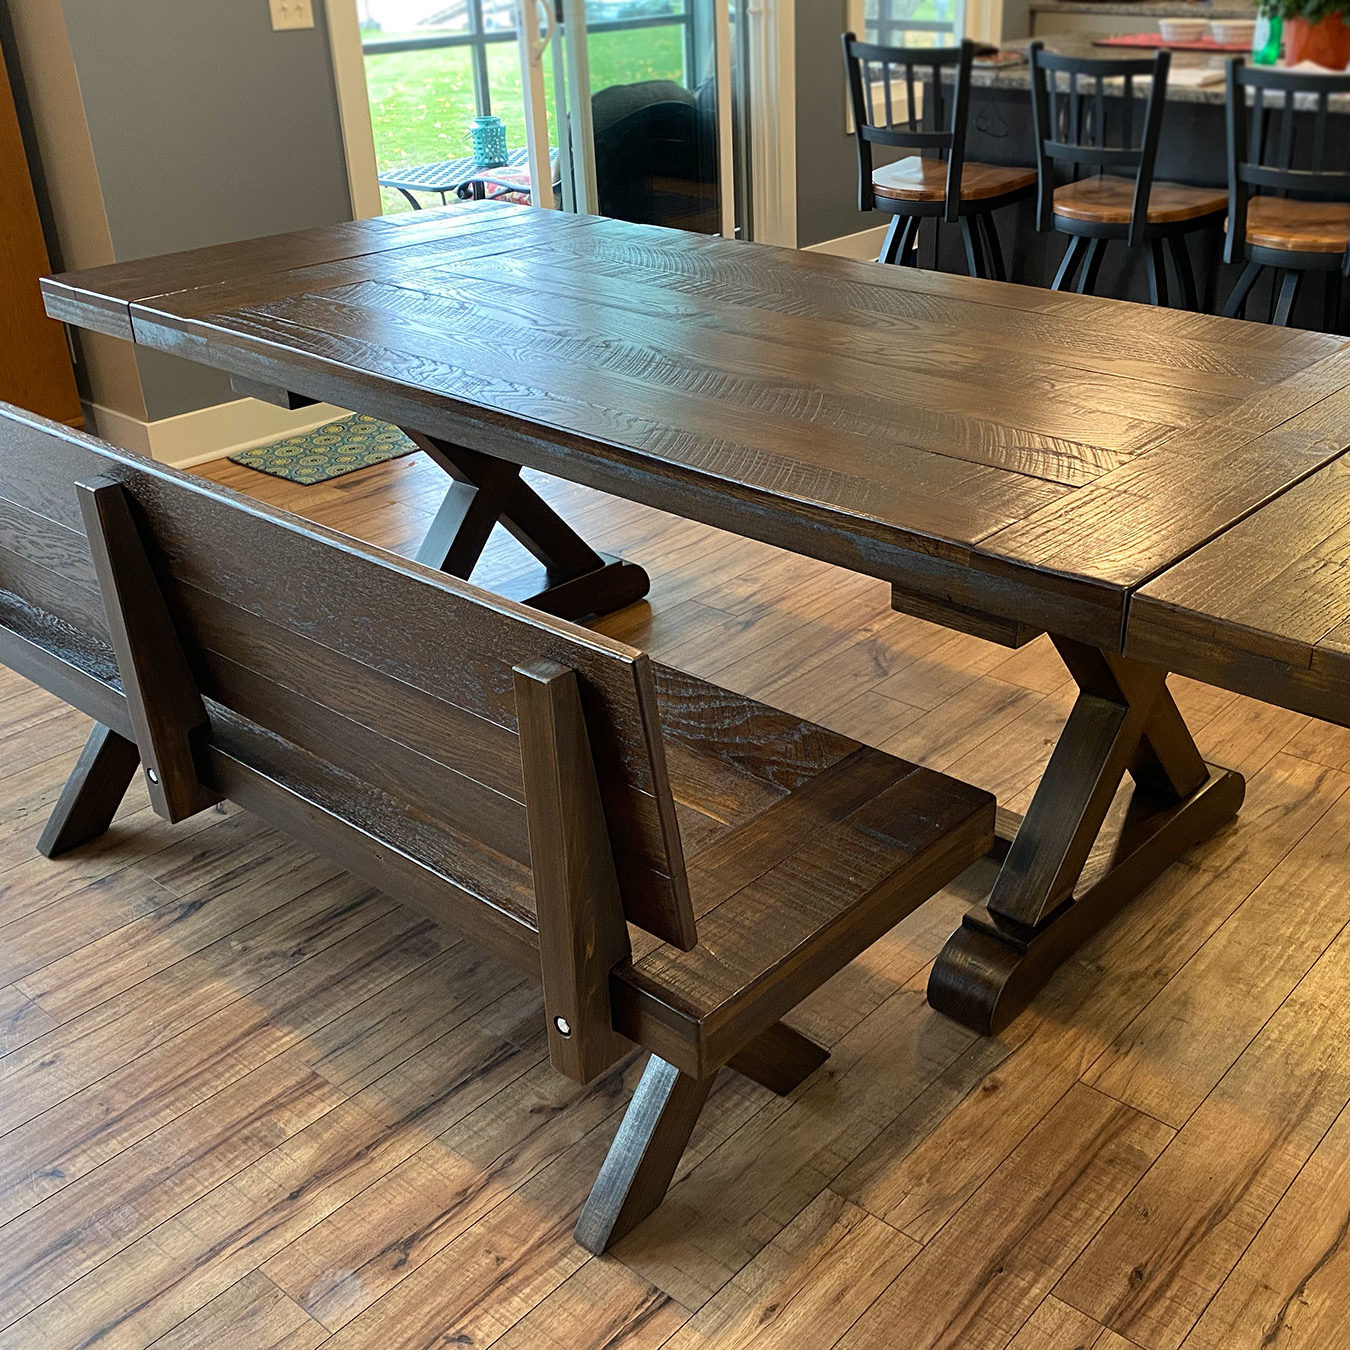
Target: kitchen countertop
1143	9
1075	44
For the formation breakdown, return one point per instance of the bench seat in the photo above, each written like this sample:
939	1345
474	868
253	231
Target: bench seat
817	836
821	846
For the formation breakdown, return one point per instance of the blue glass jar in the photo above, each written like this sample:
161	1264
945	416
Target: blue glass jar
488	135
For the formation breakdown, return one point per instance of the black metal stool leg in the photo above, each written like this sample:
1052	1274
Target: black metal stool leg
1237	299
909	243
890	247
1157	273
1290	279
1069	264
993	250
1092	265
1181	263
974	252
1331	303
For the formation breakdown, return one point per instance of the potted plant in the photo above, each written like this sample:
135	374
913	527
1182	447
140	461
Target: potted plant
1314	30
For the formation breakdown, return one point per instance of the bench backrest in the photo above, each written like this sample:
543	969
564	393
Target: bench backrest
378	693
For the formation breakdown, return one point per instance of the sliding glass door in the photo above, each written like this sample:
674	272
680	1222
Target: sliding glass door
635	97
620	107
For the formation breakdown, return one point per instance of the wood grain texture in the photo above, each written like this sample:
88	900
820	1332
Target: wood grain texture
970	1287
1107	200
935	431
915	179
1264	607
376	1221
1142	1276
1301	227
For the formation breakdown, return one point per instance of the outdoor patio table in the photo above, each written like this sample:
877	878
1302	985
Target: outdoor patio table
1011	460
445	177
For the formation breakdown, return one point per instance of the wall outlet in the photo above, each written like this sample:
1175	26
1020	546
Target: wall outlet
292	14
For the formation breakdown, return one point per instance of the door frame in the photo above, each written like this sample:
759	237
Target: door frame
773	120
353	101
773	116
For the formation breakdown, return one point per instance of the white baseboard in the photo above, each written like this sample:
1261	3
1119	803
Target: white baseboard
194	438
865	244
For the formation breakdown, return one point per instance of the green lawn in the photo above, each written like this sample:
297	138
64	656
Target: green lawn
421	103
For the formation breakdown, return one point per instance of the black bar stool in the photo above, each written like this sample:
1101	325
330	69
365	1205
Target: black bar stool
937	182
1071	125
1280	151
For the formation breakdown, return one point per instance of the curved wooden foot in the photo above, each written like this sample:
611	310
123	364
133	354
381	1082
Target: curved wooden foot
991	967
982	982
609	587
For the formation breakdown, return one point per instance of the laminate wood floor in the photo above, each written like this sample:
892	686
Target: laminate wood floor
247	1102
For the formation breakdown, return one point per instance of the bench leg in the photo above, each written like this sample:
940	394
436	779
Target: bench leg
643	1157
92	793
578	581
780	1059
1065	876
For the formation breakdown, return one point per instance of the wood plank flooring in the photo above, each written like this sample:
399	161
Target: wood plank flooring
247	1102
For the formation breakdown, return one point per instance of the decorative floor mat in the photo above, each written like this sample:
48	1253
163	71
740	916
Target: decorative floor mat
329	451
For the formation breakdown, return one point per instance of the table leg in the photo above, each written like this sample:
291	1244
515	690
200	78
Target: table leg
1048	899
485	492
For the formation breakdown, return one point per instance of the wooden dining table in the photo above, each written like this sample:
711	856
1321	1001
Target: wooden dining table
1012	461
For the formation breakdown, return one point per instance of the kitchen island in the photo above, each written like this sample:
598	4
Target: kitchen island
1096	18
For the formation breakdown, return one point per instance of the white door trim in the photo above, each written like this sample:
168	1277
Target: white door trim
581	133
773	120
353	100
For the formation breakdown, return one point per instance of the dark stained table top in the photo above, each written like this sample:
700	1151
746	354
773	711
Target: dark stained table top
1265	607
1028	454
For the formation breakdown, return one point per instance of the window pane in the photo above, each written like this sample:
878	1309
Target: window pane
606	11
654	114
890	21
383	20
421	104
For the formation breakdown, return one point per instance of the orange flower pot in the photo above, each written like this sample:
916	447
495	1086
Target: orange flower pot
1326	42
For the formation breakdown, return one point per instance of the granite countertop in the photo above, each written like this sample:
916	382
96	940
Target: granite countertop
1080	44
1146	9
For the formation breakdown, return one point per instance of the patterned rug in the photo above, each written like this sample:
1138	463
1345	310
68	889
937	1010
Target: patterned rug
329	451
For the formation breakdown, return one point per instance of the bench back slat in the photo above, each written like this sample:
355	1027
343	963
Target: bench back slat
385	670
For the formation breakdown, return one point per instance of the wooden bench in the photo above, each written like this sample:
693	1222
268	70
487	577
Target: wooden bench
679	865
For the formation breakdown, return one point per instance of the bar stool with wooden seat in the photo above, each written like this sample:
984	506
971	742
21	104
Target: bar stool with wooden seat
1282	149
1071	125
937	183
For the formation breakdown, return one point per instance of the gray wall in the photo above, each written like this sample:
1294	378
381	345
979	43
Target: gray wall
827	163
207	127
